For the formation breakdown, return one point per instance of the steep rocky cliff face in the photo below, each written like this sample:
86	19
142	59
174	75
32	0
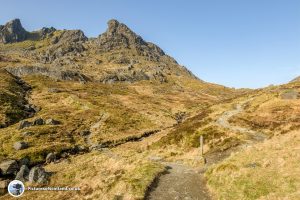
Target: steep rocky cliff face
68	42
12	31
119	36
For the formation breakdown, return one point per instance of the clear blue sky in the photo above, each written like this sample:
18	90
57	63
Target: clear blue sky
237	43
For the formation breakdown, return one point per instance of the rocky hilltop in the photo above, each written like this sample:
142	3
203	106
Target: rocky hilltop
12	31
119	36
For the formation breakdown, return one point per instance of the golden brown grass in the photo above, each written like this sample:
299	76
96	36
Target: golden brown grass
265	171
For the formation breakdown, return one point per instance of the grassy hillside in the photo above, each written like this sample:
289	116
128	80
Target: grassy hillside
12	99
265	171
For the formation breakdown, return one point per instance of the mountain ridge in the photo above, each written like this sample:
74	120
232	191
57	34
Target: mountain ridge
126	57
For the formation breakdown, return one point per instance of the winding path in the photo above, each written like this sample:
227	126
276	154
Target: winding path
184	183
254	136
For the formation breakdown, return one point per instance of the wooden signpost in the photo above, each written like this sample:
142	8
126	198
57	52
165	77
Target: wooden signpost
201	145
201	149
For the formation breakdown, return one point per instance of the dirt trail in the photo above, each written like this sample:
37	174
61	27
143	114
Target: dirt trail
182	182
179	183
254	136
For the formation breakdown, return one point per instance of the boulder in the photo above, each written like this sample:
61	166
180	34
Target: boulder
38	175
52	122
51	157
23	174
9	167
38	121
25	124
20	145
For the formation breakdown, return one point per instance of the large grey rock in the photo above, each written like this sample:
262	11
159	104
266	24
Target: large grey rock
20	145
9	167
23	174
25	124
124	75
50	158
38	175
12	31
52	73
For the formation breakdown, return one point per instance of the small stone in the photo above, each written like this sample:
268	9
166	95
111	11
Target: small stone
9	167
252	165
20	145
85	133
52	122
155	158
53	90
27	133
25	124
51	157
64	155
23	174
38	121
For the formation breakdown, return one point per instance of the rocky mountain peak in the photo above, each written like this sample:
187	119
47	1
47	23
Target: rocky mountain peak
12	31
118	36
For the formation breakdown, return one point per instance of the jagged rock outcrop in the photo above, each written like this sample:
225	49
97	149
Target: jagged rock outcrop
131	75
44	32
23	174
119	36
69	51
38	175
12	31
52	73
70	42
